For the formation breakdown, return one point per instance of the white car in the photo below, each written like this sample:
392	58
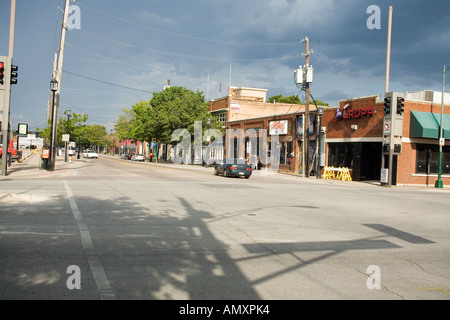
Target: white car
90	154
137	157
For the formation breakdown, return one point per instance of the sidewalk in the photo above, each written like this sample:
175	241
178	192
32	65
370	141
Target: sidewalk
31	167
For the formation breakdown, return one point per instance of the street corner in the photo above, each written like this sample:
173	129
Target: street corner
33	167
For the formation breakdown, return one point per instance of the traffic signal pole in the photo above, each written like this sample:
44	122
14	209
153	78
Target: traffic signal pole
6	90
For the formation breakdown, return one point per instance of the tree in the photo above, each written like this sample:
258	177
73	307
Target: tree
177	108
76	123
319	103
294	100
280	99
141	130
124	125
96	135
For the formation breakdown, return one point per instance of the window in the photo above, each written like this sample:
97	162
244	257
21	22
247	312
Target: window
286	152
340	155
427	159
222	117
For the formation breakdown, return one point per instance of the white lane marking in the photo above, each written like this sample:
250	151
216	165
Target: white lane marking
21	233
98	272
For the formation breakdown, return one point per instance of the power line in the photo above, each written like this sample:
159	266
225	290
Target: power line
117	42
107	58
105	82
183	35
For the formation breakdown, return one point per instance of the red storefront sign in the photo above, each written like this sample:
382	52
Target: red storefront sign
347	113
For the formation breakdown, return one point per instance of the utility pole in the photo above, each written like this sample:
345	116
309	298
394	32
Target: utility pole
306	83
57	76
306	133
7	92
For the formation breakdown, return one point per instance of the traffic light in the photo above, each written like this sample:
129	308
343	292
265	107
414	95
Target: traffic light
387	105
14	74
400	105
2	72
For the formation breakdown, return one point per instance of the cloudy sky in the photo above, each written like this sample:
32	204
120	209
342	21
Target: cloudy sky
126	50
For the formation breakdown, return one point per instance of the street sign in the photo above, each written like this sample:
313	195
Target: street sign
23	129
387	128
442	142
65	137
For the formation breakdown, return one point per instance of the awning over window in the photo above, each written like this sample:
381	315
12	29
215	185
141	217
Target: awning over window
427	125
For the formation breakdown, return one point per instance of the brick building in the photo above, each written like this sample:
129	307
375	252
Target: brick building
248	108
353	134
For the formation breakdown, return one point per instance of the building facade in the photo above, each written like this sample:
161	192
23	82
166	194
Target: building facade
353	135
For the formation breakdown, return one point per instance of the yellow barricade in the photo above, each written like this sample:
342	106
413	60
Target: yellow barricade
346	175
337	174
328	173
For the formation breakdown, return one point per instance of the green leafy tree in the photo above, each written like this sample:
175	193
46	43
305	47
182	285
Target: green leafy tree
141	130
74	125
280	99
125	124
96	135
177	108
294	100
319	103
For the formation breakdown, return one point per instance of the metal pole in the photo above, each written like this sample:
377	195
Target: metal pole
319	142
439	183
51	163
386	90
7	98
11	28
67	131
388	54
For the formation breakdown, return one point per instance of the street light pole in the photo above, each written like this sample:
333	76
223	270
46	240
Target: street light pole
319	141
68	112
439	183
53	89
208	123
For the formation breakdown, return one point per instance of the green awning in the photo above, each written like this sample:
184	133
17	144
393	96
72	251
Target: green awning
427	125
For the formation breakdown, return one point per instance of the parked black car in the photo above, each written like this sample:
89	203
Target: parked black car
233	170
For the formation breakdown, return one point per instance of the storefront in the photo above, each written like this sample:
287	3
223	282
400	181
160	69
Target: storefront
258	142
354	137
419	162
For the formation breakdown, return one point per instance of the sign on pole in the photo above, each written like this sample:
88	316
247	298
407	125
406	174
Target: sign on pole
23	129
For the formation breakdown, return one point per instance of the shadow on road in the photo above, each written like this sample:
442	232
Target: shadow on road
159	253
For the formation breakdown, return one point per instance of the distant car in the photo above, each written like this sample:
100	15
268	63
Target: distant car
90	154
125	156
71	151
233	170
137	157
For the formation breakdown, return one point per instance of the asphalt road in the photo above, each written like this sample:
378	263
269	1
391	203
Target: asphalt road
114	229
